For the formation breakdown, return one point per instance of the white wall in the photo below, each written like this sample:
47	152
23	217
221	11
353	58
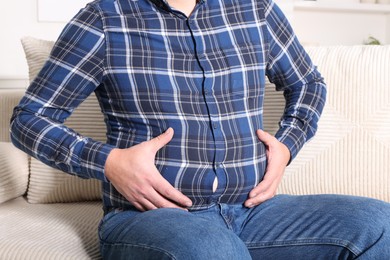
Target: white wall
20	18
347	26
319	27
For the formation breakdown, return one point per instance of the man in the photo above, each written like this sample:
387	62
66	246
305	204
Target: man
187	171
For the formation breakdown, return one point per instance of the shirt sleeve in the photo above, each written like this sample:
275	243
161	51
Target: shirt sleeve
73	71
292	71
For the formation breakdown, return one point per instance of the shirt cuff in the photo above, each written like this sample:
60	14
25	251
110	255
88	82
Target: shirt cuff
293	138
93	159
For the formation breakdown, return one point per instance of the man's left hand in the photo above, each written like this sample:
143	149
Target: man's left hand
278	157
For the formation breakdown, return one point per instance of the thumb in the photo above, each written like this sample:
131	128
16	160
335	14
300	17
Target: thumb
161	140
265	137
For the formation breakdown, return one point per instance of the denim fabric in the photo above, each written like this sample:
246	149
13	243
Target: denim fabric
285	227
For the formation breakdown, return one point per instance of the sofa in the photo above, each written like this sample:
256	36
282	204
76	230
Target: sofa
47	214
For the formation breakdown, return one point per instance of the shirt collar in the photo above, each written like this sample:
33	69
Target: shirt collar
161	4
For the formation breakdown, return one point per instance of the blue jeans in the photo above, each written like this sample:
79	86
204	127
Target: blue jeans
285	227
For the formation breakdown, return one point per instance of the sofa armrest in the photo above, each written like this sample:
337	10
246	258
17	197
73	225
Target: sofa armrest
14	172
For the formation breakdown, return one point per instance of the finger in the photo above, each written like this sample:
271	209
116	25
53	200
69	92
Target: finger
262	192
138	198
159	201
143	206
149	199
261	188
166	190
265	137
260	198
163	139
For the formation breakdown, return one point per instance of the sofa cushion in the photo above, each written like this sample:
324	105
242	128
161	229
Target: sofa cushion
13	172
48	185
350	153
49	231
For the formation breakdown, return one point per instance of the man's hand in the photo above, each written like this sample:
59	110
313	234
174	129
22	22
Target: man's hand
278	156
133	173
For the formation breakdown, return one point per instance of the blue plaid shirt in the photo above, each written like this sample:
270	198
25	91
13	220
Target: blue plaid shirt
152	68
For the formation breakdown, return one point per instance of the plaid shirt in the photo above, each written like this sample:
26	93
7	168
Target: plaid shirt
152	68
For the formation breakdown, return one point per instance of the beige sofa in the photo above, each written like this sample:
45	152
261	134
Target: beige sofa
45	214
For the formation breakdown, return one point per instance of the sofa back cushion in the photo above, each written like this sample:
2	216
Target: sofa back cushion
351	152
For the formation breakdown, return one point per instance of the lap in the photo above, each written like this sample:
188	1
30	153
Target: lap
318	225
167	234
285	227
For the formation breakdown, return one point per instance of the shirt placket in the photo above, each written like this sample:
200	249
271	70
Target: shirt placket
201	54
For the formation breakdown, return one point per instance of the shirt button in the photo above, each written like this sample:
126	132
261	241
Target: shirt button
215	125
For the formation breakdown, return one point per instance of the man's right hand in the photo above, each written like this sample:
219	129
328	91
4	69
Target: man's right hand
133	173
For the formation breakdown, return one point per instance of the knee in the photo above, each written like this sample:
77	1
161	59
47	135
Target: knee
372	215
371	219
